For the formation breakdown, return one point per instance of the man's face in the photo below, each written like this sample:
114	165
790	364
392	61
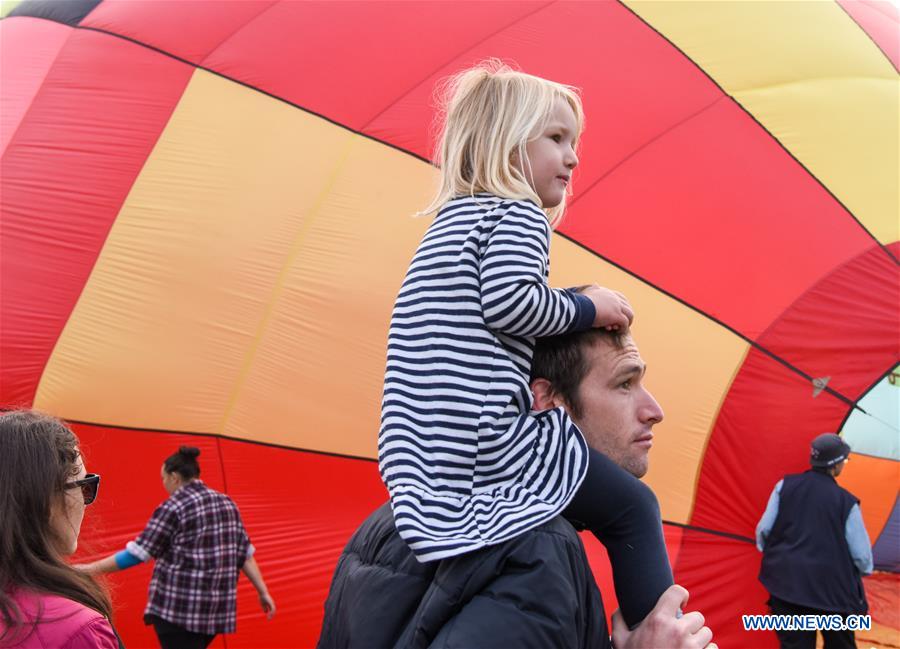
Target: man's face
617	412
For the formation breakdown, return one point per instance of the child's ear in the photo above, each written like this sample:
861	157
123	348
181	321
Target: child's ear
544	395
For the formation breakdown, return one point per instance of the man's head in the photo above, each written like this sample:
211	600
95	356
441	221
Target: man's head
598	376
828	453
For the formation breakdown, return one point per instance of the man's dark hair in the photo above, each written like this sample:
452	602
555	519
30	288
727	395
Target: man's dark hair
562	361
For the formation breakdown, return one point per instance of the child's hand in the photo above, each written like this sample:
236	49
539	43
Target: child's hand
614	313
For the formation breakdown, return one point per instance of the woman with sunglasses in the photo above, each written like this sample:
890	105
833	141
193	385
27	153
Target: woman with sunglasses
200	545
44	488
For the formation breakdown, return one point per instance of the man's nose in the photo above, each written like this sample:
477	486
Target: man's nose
651	412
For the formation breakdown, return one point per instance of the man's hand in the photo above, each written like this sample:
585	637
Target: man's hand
662	627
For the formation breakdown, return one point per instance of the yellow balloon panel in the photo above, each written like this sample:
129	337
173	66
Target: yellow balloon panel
169	323
691	362
813	79
315	379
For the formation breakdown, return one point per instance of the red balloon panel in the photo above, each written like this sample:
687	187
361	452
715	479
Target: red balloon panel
189	30
762	432
846	326
870	16
129	463
299	509
775	232
364	88
34	45
721	576
66	173
375	52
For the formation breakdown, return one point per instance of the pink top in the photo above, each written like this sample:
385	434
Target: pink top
63	624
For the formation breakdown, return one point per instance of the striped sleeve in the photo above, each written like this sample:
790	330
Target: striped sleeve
515	297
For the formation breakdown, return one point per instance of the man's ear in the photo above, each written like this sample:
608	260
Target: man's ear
544	395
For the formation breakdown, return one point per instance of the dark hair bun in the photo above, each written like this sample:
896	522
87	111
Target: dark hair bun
184	462
189	451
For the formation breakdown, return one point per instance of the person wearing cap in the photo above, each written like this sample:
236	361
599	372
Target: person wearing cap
815	546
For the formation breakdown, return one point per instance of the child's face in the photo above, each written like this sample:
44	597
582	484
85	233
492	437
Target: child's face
551	156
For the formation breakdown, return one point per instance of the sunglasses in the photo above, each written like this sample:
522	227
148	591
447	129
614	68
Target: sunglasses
89	486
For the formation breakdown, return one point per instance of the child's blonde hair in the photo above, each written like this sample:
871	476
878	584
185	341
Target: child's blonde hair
489	113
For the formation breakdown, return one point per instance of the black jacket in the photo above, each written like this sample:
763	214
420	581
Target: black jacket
536	590
806	560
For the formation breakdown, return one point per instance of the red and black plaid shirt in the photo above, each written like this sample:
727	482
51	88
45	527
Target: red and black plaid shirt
200	545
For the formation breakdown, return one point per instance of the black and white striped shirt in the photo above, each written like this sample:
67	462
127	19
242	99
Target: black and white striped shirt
465	461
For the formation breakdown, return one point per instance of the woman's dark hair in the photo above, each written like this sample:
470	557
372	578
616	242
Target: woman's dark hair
38	456
184	463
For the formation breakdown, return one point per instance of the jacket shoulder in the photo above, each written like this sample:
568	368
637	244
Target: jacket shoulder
377	586
534	590
96	634
63	623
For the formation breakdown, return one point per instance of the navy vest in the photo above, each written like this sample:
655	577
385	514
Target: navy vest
806	560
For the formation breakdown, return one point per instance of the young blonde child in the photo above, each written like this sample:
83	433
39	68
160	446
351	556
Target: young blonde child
466	462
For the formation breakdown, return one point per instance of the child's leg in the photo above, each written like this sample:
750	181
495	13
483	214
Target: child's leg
623	514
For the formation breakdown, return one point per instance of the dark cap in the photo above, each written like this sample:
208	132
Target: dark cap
827	450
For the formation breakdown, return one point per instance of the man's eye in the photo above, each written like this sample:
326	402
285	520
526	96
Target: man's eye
626	384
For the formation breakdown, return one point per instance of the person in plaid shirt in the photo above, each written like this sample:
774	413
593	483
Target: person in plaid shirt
200	545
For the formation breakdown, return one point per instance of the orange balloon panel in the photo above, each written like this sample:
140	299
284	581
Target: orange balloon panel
875	482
